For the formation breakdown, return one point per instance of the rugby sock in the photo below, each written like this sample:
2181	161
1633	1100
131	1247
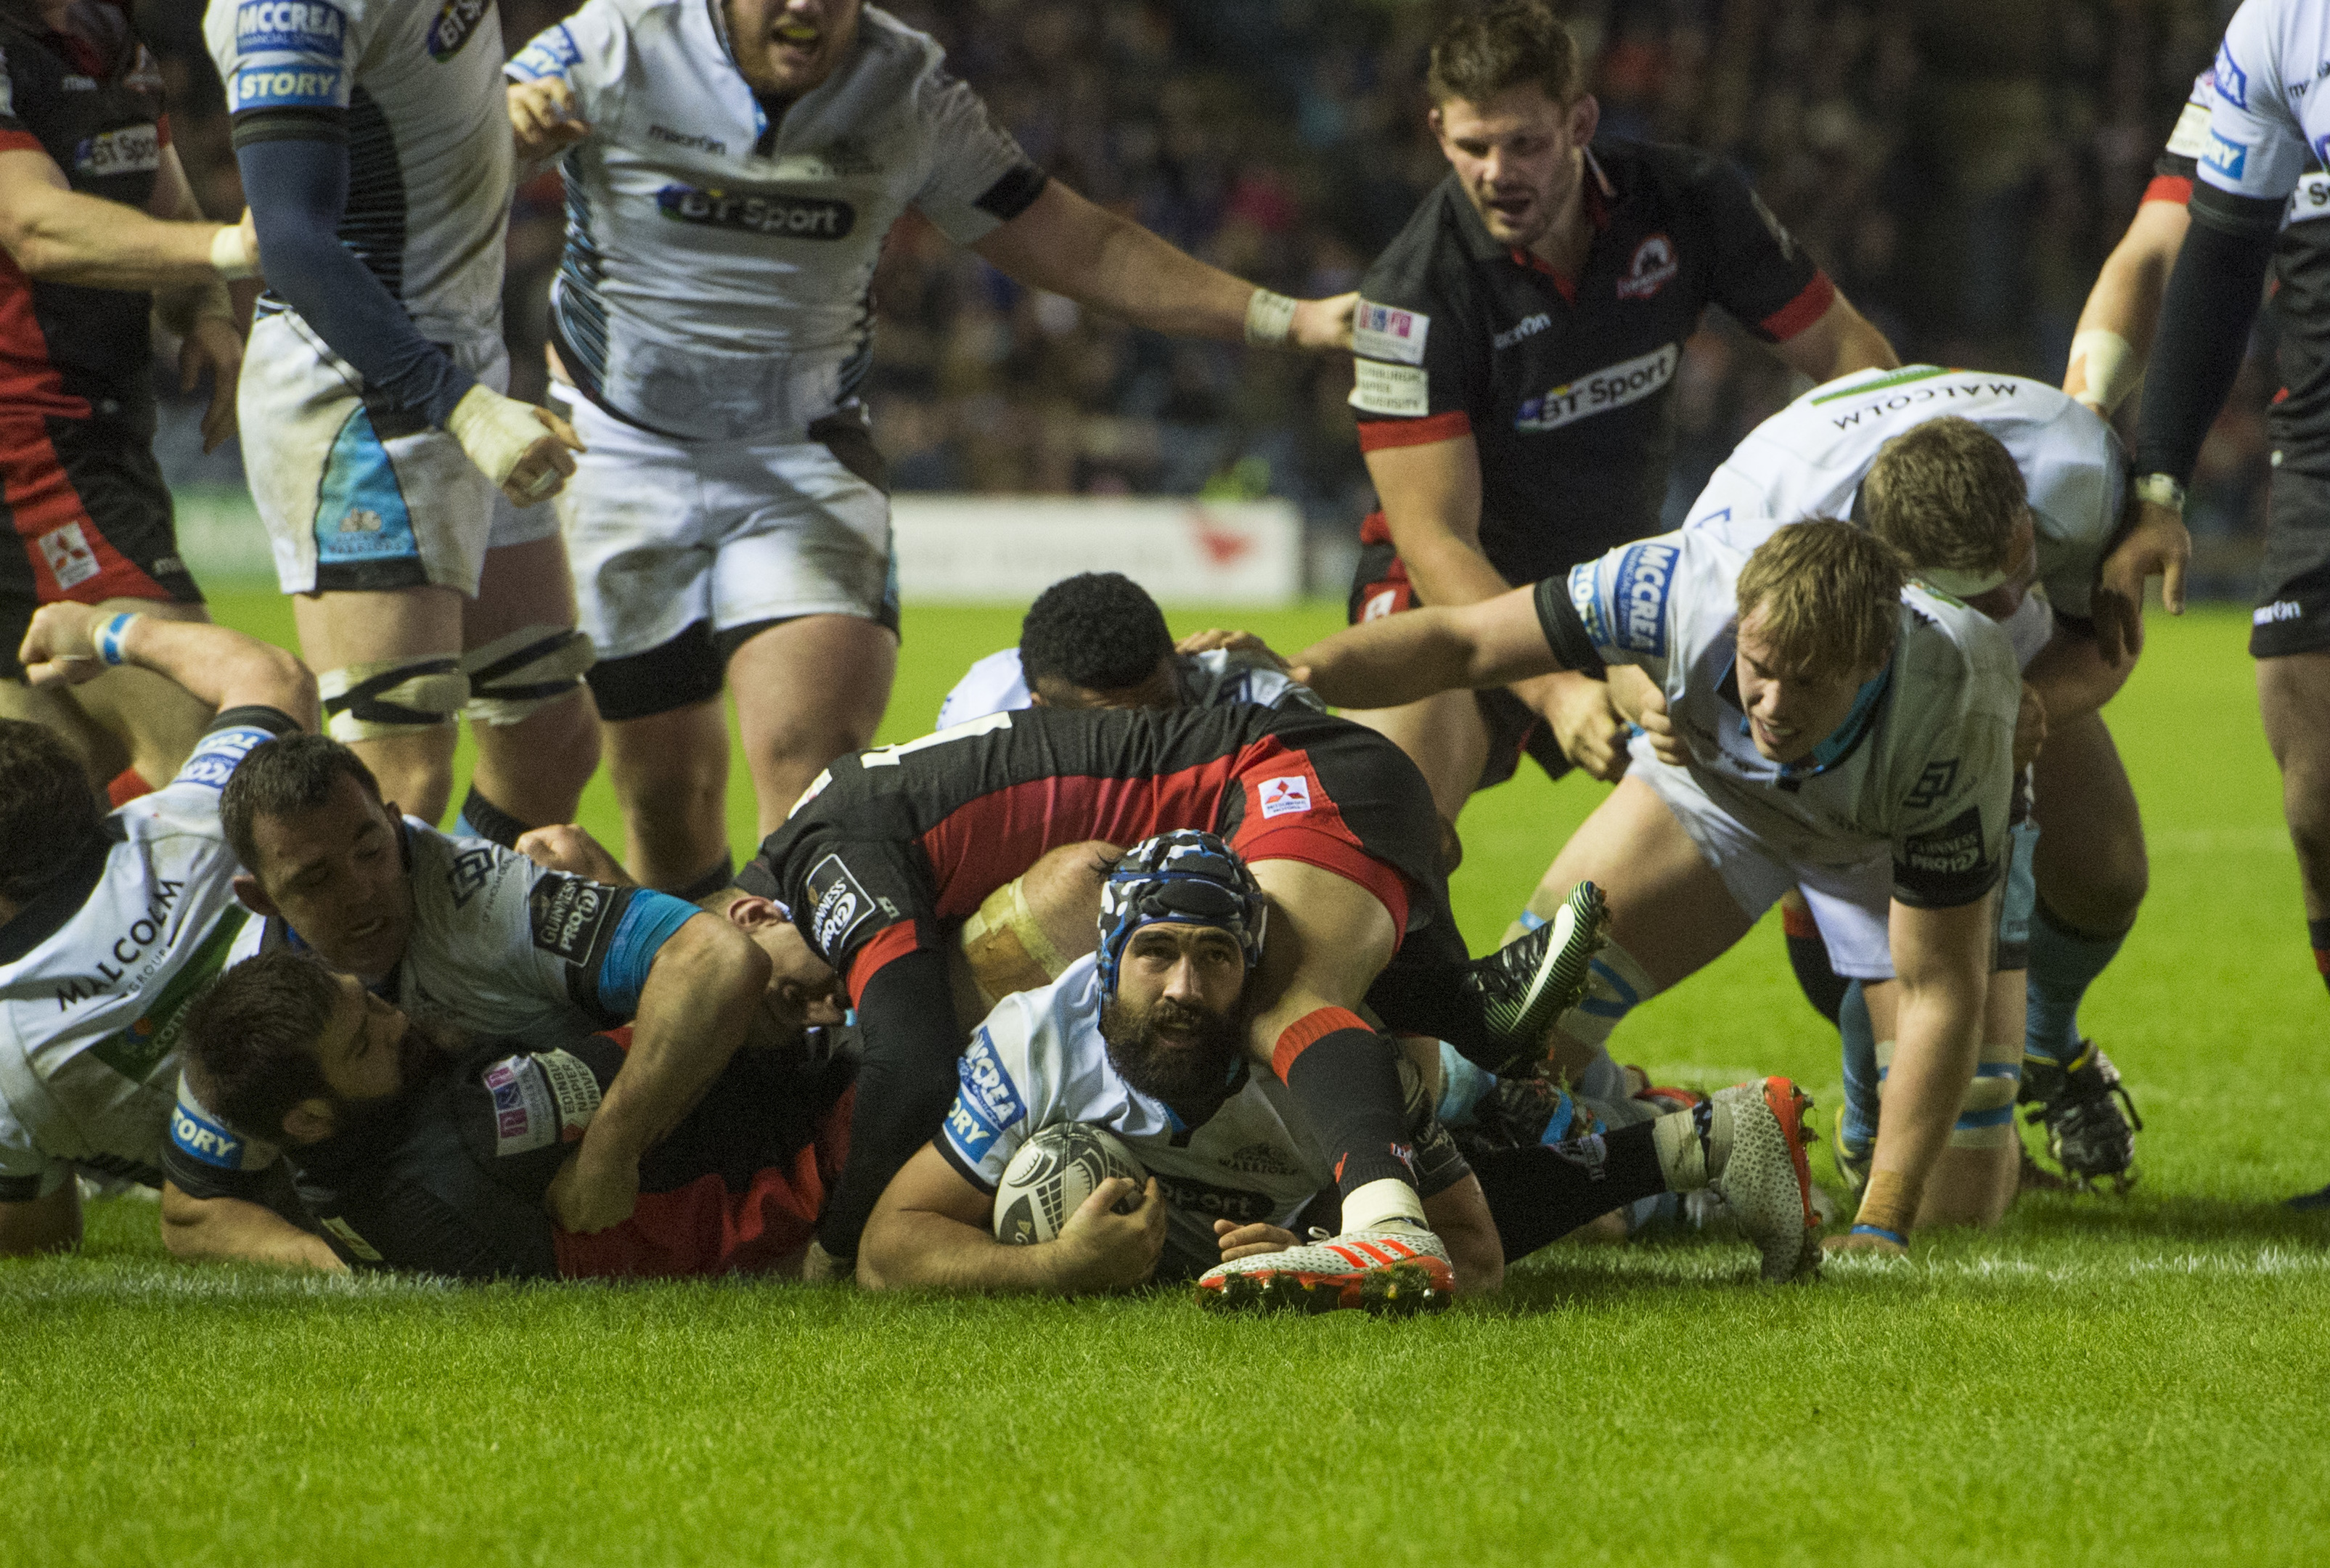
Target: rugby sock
1461	1086
1823	986
1543	1191
698	889
1692	1146
906	1082
481	819
1346	1078
2318	932
129	783
2064	961
1862	1075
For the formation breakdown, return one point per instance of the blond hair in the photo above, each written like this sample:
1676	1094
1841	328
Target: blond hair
1829	595
1946	493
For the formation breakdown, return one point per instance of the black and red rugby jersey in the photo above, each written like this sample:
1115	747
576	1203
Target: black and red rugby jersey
1567	383
92	99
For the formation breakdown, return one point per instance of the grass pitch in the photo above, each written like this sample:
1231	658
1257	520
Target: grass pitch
2102	1380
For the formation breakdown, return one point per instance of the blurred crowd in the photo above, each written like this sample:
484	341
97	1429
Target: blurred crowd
1961	167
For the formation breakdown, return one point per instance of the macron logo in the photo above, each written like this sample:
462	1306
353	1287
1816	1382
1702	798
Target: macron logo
2278	611
1280	796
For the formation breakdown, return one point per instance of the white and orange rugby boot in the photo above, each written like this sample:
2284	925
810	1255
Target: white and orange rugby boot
1394	1271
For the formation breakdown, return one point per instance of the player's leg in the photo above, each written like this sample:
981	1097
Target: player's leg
1026	934
808	691
529	712
1446	736
2294	697
388	668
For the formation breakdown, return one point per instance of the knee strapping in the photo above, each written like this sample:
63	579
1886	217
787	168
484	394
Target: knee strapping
1615	985
392	697
513	677
1986	1113
1006	946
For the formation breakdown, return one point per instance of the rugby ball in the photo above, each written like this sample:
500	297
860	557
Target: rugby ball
1055	1171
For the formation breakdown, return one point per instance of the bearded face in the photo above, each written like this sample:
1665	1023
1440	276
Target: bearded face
1181	1053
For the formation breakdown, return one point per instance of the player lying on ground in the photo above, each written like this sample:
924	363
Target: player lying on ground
1847	732
712	316
1518	344
1992	485
388	468
1144	1038
464	930
105	236
109	924
418	1148
895	845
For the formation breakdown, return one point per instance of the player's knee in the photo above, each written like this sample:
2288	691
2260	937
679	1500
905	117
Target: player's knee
514	678
392	699
1615	984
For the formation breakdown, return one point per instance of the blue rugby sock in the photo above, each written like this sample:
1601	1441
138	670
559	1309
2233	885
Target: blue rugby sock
2064	961
1861	1074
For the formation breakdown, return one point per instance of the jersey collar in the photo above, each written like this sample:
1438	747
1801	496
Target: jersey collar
1842	741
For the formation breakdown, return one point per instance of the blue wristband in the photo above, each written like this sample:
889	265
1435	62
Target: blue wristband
108	638
1895	1237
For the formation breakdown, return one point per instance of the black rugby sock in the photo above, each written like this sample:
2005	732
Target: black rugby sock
1542	1191
1823	986
1346	1078
481	819
697	890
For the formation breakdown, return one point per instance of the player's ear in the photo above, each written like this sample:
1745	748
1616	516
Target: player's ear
752	912
1585	119
254	898
309	1122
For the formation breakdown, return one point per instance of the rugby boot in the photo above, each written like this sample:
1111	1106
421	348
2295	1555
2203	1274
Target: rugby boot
1765	1180
1393	1272
2086	1132
1531	981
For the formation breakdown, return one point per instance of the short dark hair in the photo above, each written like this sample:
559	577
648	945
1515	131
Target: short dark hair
1098	629
290	773
47	808
250	1039
1509	44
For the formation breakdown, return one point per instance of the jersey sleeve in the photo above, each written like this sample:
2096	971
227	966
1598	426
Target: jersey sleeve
588	51
292	54
15	134
232	735
978	177
1950	833
993	685
2172	170
207	1159
1618	608
1417	378
990	1117
594	944
1762	277
2255	147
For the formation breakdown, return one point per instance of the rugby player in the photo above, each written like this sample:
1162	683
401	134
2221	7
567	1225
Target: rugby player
111	924
1143	1037
1990	485
419	1149
2253	193
467	931
386	465
99	232
892	846
1097	640
1517	347
732	170
1847	732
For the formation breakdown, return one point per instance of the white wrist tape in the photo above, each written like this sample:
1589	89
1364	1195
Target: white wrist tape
494	430
2113	370
231	257
1269	319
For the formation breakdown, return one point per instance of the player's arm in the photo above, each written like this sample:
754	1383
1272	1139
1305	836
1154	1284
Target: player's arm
232	1230
1941	962
930	1230
67	644
1065	244
1406	658
200	314
56	234
1764	279
1840	341
2072	677
2123	309
1459	1215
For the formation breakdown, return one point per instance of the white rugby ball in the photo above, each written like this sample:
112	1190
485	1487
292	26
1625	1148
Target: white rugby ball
1055	1171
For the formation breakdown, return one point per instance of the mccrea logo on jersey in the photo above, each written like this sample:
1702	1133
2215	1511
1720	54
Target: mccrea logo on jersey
1646	574
986	1104
1952	850
300	26
456	24
1933	784
218	753
551	53
838	905
1599	391
133	149
199	1138
1653	267
1587	602
568	914
1384	332
776	216
1283	796
2232	83
2227	156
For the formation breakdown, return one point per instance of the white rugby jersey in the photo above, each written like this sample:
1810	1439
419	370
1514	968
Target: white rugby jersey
997	685
498	947
718	261
1039	1060
97	970
1808	460
430	154
2268	123
1922	768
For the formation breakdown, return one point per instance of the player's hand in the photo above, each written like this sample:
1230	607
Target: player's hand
2158	546
542	117
212	343
507	439
1321	325
59	648
1101	1250
592	1192
2029	728
1590	731
1638	700
565	847
1214	637
1237	1241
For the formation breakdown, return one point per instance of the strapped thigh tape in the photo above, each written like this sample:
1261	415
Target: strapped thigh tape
534	666
1614	985
1986	1114
1007	948
391	697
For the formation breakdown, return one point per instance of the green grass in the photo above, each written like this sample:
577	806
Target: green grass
2102	1380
